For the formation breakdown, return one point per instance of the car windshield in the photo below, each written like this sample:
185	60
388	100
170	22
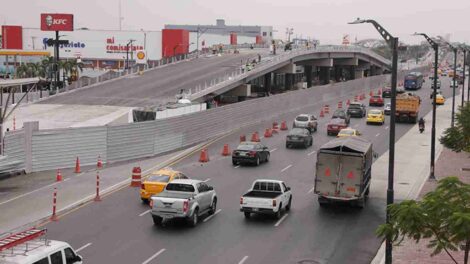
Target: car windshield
338	113
346	132
179	187
297	131
375	112
354	106
376	97
158	178
246	147
388	105
302	118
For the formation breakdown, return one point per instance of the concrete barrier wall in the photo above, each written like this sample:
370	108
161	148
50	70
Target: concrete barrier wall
58	148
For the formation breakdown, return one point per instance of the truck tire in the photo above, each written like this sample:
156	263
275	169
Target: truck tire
213	206
289	204
322	202
145	201
194	218
278	214
157	220
367	191
234	163
247	214
360	203
287	145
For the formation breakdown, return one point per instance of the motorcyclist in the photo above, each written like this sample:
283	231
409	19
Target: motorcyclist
421	123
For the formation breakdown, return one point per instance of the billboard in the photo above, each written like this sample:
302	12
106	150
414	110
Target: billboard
12	37
56	22
98	44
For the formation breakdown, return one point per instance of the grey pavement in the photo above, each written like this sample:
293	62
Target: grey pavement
120	230
158	85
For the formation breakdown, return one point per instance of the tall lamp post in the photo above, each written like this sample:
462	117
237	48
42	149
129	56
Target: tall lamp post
455	50
464	49
393	44
435	47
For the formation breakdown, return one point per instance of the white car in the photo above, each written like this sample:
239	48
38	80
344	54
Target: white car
306	121
452	84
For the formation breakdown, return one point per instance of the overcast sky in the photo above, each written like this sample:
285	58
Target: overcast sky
322	19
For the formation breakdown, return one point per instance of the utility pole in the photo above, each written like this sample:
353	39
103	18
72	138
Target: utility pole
127	52
120	16
435	46
393	45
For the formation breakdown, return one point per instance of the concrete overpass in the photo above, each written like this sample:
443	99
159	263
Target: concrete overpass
323	64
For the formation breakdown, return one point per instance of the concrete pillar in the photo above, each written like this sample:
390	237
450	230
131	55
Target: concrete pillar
337	73
268	82
359	74
29	128
308	75
288	81
352	72
325	75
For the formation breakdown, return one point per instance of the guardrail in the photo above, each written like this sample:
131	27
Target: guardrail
37	150
239	74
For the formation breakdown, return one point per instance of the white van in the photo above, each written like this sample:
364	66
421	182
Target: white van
41	252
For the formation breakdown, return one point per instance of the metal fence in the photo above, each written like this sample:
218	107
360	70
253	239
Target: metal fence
58	148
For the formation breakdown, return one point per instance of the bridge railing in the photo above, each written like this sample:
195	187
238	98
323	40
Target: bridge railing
238	74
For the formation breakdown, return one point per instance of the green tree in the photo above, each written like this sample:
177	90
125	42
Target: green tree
443	217
457	138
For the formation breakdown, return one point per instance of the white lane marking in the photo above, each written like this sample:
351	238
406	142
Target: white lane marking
386	127
272	150
206	180
378	134
28	193
311	153
280	220
83	247
243	260
286	168
311	190
154	256
66	179
146	212
236	167
210	216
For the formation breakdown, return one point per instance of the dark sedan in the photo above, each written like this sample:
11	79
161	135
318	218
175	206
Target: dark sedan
343	114
299	137
387	93
250	152
357	109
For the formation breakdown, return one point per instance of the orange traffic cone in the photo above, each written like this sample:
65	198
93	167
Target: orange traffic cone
268	133
327	109
204	157
242	138
379	92
77	165
58	176
255	137
284	125
322	114
348	102
136	177
356	98
226	150
99	164
371	93
340	104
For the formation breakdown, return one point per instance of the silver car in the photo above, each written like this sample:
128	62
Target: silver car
306	121
188	199
388	108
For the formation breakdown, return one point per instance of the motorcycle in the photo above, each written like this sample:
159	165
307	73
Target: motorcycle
421	127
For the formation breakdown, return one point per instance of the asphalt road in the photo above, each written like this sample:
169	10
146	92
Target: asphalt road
118	229
159	85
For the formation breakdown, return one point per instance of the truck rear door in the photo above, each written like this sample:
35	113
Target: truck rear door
326	174
350	176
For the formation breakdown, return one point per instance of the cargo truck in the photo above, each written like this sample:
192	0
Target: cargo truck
343	171
407	108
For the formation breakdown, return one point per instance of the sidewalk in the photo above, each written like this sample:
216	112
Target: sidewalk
448	164
27	199
412	162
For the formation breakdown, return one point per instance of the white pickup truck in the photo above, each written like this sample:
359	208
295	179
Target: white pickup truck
188	199
266	197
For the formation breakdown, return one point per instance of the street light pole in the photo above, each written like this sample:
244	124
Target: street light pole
393	44
463	75
435	47
453	88
127	52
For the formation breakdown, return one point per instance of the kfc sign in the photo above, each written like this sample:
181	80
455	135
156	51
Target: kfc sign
56	22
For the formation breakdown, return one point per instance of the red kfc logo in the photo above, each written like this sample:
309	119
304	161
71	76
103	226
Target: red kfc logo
57	22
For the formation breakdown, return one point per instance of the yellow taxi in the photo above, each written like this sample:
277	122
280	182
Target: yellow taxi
375	116
440	100
157	181
348	132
